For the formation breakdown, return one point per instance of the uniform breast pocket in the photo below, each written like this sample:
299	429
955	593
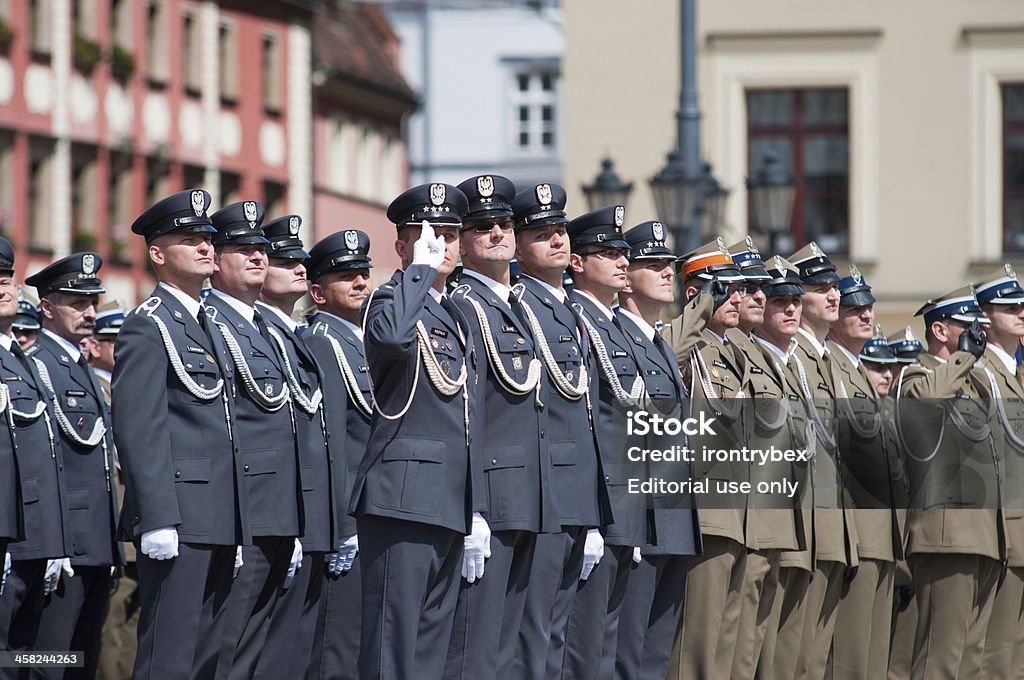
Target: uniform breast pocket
202	371
514	354
505	467
411	476
192	488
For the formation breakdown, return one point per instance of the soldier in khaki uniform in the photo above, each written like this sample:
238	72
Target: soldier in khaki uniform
707	636
833	535
861	642
771	308
1002	300
955	535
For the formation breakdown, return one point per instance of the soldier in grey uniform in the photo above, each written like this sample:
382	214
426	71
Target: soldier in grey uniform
653	599
864	618
11	523
73	616
172	424
955	529
1001	299
514	463
27	324
561	559
265	433
339	272
413	496
288	648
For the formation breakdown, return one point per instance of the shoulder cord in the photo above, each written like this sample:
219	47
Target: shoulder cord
899	428
193	388
703	376
868	432
638	391
1011	435
99	427
349	378
562	383
307	404
532	382
269	403
826	437
784	408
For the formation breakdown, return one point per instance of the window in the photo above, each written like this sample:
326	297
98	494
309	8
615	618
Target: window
341	147
40	175
6	190
84	18
230	188
227	59
39	25
274	199
271	72
121	22
190	52
83	198
534	101
1013	167
156	43
808	130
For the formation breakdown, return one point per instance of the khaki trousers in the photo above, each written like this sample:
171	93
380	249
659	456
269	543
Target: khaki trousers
860	647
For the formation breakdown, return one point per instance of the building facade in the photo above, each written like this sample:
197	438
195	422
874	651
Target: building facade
902	123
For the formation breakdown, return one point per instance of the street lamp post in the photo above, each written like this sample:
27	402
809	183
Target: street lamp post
771	190
607	188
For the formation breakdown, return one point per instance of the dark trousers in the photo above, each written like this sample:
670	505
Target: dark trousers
120	630
182	606
250	605
410	585
72	619
335	653
20	608
649	616
490	610
289	644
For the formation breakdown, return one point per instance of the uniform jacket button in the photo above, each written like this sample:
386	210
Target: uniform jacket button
245	469
415	278
177	473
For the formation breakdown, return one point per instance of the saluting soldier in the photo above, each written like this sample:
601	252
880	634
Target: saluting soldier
339	272
1001	299
706	641
414	497
73	616
27	324
864	619
288	648
598	264
955	532
562	559
264	430
653	599
180	464
514	463
778	522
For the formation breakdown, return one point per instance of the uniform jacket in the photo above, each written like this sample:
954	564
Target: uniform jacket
89	470
265	437
11	522
870	464
416	467
513	462
181	466
318	447
350	405
672	524
40	463
578	475
769	381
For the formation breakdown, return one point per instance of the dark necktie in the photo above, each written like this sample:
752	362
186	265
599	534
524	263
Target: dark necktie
261	326
90	376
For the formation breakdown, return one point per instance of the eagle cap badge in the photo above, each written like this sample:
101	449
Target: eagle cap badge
544	194
815	250
620	215
88	263
855	274
293	225
658	231
249	207
198	202
485	185
351	239
437	194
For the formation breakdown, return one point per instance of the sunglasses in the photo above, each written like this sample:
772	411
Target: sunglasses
607	253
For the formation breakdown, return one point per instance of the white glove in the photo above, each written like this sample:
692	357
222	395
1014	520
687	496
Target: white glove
160	544
428	249
54	568
342	560
637	557
294	565
7	570
476	549
593	551
239	562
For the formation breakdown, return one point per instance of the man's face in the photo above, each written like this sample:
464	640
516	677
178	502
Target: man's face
880	376
821	303
186	253
343	292
855	323
286	278
103	350
25	338
8	298
601	267
651	279
70	316
782	315
752	307
484	241
241	266
1006	319
543	248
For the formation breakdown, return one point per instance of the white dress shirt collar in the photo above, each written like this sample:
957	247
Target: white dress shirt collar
288	321
69	347
248	312
498	288
190	304
646	328
1008	360
557	292
818	346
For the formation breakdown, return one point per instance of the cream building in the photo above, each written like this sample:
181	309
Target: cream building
905	119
